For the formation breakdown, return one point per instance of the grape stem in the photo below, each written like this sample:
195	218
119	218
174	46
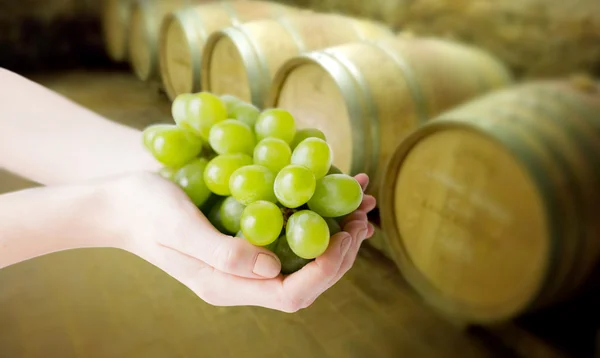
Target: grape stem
287	212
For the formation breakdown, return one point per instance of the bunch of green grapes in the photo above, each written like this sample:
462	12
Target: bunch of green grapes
255	175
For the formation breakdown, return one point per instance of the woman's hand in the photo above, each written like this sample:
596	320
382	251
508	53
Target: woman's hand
158	223
141	213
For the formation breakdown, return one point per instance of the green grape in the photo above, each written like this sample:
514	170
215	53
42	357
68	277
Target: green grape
173	146
231	213
315	154
150	132
252	183
334	170
179	108
261	223
230	102
231	136
190	178
167	173
209	203
271	247
294	186
290	262
219	170
203	111
276	123
214	217
307	234
245	113
272	153
336	195
208	152
334	226
302	134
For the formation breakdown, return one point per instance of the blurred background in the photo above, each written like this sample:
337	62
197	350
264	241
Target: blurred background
534	37
538	60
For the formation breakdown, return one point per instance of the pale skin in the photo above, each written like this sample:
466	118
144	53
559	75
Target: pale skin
99	190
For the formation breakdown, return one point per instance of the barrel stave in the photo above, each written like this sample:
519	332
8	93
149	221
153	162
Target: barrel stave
550	130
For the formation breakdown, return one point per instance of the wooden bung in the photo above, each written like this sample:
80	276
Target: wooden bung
184	32
145	23
242	60
491	209
367	96
115	28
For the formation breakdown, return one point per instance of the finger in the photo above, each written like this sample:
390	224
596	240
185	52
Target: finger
295	292
355	229
363	180
359	232
301	288
198	238
216	287
368	203
358	215
370	231
221	289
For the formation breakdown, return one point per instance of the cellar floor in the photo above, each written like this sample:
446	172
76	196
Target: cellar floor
107	303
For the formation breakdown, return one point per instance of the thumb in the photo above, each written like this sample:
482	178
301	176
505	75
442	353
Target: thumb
228	254
238	257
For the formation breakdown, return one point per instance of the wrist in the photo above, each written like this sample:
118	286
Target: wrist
122	210
100	217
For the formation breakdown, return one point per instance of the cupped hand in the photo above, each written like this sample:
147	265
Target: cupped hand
159	224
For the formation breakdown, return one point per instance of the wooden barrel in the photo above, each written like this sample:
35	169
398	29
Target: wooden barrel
145	23
491	209
115	28
379	241
243	59
184	33
367	96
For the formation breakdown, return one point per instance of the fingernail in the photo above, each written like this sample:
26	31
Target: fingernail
266	266
345	246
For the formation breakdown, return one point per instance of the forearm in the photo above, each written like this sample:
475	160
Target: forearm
51	140
43	220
